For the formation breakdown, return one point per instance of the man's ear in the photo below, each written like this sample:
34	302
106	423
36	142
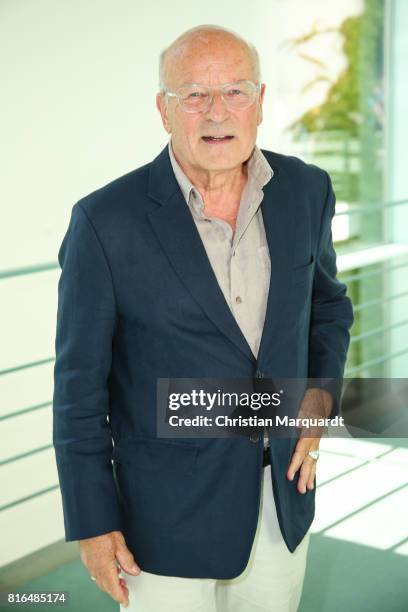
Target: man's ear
260	103
162	108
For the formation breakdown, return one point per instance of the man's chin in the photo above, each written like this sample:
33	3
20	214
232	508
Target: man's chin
221	162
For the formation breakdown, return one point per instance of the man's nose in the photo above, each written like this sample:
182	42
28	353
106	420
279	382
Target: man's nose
218	110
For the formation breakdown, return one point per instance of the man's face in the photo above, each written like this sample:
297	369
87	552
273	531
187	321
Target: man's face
212	63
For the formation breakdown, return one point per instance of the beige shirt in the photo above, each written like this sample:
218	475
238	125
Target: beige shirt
240	259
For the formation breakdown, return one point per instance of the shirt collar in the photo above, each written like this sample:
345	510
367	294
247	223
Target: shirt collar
259	172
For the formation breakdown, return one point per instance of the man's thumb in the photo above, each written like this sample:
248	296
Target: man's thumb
126	560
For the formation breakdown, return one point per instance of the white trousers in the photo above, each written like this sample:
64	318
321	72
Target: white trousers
271	582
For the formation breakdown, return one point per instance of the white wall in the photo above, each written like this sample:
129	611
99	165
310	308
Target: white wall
79	79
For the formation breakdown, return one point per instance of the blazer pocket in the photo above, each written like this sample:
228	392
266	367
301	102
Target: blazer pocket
303	274
155	455
155	479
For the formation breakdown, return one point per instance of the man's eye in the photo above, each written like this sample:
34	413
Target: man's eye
196	94
234	93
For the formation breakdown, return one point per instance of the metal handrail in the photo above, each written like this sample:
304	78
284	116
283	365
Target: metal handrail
378	330
352	277
9	415
25	366
378	301
368	364
370	207
25	270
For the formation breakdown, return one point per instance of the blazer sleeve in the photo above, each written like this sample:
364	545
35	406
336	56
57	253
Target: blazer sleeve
331	314
86	320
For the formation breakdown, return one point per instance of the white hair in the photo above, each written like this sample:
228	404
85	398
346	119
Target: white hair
196	31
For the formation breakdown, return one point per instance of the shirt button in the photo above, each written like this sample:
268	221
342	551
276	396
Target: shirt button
238	299
209	220
254	437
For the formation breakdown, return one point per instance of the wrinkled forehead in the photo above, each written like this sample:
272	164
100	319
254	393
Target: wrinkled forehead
210	61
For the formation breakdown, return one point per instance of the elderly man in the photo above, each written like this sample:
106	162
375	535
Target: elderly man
215	260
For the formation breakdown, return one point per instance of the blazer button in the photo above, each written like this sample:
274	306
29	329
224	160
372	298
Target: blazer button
259	374
254	437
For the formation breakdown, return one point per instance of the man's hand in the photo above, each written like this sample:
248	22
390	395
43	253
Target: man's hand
316	403
105	556
307	465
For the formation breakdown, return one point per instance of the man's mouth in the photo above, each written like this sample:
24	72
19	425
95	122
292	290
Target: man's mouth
217	139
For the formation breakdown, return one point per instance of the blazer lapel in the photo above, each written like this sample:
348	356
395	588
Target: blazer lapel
177	233
278	215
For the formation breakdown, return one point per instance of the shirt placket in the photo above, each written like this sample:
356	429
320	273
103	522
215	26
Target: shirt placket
219	230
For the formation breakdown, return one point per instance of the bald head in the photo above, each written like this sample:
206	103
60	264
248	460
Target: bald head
203	39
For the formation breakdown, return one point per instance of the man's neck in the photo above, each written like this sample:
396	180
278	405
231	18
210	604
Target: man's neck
221	190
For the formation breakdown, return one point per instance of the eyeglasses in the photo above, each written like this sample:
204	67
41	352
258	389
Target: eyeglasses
194	98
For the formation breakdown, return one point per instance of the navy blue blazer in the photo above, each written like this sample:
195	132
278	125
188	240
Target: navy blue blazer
138	300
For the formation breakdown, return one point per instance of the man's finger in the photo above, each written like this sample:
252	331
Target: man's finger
306	474
126	560
310	482
312	476
115	589
302	447
296	461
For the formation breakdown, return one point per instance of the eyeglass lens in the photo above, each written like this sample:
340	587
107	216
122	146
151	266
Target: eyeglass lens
236	95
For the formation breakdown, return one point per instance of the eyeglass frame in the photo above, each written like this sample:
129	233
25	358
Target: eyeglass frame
174	94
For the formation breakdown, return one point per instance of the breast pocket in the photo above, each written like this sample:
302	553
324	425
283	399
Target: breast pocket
303	275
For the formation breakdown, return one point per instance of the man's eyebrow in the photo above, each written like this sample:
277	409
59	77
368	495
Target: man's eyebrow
204	85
